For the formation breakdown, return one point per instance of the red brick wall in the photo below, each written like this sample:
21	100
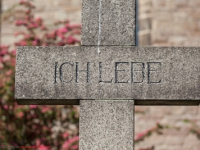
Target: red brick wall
176	22
169	23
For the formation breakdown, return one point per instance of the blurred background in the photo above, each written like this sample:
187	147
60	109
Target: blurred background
58	22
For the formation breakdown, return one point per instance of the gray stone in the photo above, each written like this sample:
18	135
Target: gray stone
108	22
106	125
57	75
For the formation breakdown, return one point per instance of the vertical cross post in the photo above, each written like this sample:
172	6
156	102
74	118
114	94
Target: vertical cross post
107	124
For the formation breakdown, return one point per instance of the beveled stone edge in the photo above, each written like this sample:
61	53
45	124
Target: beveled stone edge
102	46
137	102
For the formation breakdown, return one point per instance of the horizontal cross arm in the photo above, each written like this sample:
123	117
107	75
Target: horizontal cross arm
145	74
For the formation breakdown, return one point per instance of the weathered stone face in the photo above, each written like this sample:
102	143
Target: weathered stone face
103	123
108	22
55	75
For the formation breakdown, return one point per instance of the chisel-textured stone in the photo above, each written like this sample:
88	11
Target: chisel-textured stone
108	22
118	72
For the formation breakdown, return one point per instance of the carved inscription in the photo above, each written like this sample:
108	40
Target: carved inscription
139	72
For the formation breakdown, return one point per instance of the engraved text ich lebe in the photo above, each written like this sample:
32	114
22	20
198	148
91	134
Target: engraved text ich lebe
136	72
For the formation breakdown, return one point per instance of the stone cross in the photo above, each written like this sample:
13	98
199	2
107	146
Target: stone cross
107	75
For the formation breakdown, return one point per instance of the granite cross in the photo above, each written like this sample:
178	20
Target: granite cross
107	75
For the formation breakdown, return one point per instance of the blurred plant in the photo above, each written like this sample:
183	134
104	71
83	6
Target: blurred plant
38	34
141	136
45	127
149	148
194	128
